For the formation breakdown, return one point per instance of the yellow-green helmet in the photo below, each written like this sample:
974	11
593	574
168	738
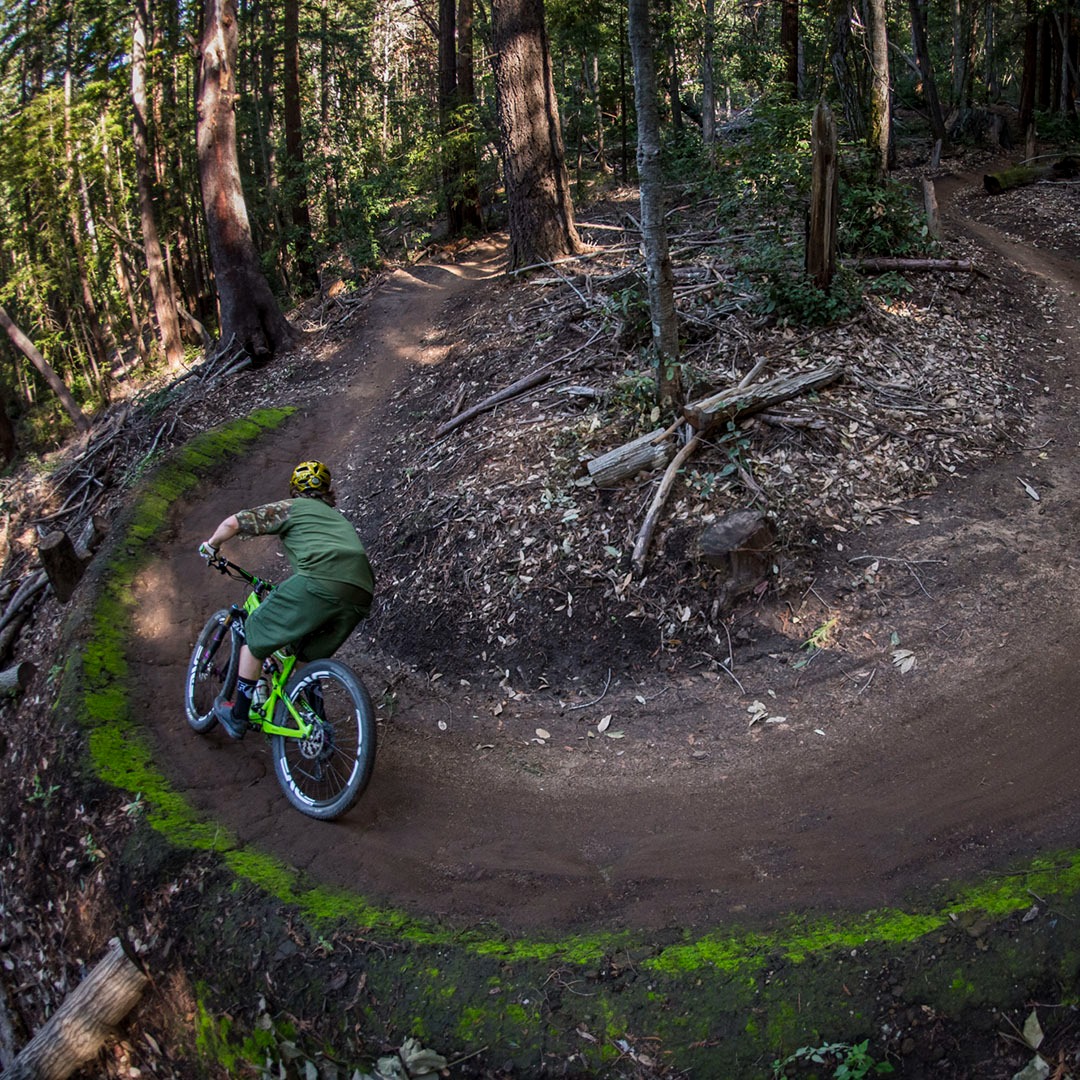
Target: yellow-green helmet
310	478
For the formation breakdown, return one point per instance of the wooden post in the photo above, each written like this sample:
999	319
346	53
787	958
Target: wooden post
824	200
79	1028
933	219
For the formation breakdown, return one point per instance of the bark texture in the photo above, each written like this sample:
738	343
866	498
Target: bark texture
250	314
168	323
660	276
534	166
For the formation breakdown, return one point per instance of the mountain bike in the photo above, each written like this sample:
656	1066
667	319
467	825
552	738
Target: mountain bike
317	715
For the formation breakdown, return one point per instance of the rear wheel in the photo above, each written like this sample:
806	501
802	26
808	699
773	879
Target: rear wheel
211	670
324	774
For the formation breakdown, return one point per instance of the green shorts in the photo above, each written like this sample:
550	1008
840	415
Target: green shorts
310	614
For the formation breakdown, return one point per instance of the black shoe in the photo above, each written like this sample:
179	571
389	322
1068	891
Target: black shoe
223	714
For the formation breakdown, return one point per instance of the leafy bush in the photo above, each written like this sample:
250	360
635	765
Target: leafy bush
879	217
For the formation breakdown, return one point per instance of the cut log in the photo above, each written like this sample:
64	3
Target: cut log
643	454
735	402
886	265
16	678
61	563
78	1029
738	545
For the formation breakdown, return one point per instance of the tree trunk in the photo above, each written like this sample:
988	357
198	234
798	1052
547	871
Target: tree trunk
61	563
164	302
469	179
659	274
708	88
926	70
880	122
56	384
7	436
295	176
250	314
1029	76
537	182
789	44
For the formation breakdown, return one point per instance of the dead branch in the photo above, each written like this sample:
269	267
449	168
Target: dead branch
641	547
526	382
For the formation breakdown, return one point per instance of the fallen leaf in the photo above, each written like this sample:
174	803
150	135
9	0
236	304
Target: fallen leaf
605	721
542	734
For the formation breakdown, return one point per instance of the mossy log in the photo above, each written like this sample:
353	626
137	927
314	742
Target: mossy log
1066	168
78	1029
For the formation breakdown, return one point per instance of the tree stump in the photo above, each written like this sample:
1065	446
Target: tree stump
61	563
738	545
16	679
79	1028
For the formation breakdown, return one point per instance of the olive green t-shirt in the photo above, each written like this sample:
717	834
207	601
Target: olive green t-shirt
319	541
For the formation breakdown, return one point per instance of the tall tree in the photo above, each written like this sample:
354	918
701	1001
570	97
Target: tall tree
250	313
534	166
660	276
926	70
295	175
45	369
880	112
168	323
789	44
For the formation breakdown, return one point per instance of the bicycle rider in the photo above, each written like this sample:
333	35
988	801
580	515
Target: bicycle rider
328	593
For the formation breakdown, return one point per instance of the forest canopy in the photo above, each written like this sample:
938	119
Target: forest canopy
365	131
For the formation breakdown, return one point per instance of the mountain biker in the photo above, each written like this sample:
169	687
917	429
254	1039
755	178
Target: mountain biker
316	608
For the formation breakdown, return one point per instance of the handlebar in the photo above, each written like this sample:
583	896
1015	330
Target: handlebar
231	569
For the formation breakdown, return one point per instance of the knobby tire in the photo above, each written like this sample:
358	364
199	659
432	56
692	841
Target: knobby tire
211	671
323	775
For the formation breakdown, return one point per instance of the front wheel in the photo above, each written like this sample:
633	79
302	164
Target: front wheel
211	670
324	774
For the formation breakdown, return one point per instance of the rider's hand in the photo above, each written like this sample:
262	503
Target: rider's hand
207	550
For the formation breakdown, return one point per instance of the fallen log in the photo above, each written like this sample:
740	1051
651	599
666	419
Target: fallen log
78	1029
644	453
885	265
526	382
1067	168
735	402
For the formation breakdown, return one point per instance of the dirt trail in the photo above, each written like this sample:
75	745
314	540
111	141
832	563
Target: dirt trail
873	800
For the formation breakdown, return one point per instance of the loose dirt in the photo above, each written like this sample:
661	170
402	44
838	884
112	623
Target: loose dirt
868	787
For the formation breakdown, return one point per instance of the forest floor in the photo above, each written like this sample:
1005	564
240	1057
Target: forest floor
563	746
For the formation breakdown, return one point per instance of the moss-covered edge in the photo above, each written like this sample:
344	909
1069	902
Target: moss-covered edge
690	994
